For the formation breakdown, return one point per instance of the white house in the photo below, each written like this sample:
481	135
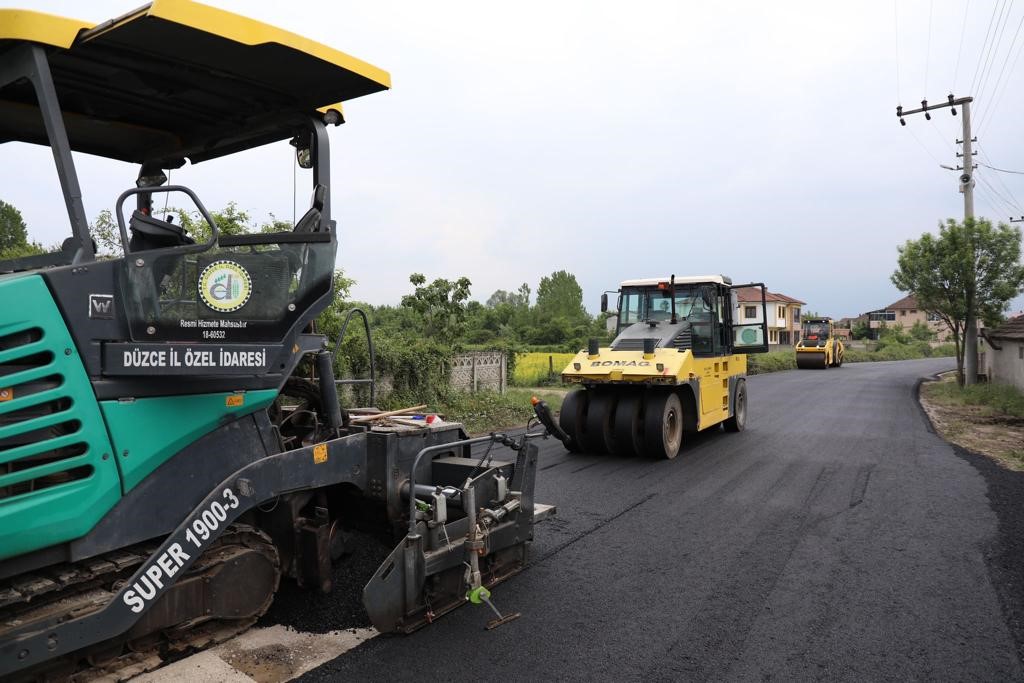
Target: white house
1004	353
783	314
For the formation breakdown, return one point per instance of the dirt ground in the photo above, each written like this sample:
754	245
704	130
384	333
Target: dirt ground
973	428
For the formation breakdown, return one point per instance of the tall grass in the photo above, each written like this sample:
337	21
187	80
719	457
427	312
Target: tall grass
1001	399
773	361
485	411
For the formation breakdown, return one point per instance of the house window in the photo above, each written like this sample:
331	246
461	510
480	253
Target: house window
934	318
913	311
782	312
750	312
903	312
796	315
883	316
773	336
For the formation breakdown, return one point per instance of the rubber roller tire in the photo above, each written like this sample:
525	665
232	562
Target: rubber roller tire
628	431
570	417
738	421
663	424
597	427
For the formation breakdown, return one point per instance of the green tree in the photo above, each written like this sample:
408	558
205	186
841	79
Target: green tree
14	242
860	330
921	332
970	269
106	234
519	298
13	231
560	296
440	306
230	221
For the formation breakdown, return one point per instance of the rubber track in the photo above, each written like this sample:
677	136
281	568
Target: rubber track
80	588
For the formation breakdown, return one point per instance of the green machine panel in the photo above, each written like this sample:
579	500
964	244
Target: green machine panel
57	473
148	431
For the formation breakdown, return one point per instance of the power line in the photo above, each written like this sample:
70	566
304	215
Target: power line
928	51
944	139
981	54
999	179
1008	204
1001	22
985	81
963	30
996	92
1001	170
896	34
987	199
991	111
994	201
924	146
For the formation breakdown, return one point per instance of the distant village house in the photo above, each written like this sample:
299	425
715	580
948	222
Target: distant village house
783	314
904	313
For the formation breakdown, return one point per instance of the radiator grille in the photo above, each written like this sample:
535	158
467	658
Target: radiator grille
40	428
683	340
632	344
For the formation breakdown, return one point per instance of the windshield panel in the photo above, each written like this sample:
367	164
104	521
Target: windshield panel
813	331
653	304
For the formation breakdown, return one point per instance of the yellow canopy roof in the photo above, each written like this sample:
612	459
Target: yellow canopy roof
176	79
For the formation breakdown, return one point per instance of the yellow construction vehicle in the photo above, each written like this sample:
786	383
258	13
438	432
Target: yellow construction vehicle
677	364
819	346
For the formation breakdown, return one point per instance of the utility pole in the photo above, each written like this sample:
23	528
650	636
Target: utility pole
967	188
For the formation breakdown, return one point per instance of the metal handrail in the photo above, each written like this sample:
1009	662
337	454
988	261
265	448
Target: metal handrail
184	249
372	380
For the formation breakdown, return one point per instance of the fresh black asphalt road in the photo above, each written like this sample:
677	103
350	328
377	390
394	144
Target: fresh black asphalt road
835	538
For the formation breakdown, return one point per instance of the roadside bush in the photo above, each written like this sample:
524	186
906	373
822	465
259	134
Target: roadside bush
773	361
413	370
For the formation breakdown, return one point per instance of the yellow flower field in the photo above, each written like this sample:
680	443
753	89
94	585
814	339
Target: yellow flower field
532	369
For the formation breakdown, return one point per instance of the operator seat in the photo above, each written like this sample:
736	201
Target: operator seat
152	233
310	221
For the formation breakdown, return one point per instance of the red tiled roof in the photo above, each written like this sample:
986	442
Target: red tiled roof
909	301
753	294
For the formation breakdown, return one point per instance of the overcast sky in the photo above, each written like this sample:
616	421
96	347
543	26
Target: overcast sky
622	140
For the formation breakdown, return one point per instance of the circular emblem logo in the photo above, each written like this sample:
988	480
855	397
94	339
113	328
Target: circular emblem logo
225	286
748	336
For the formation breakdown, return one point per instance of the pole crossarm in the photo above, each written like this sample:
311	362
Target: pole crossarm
951	101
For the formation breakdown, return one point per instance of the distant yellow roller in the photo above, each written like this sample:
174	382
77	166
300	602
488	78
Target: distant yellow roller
819	347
